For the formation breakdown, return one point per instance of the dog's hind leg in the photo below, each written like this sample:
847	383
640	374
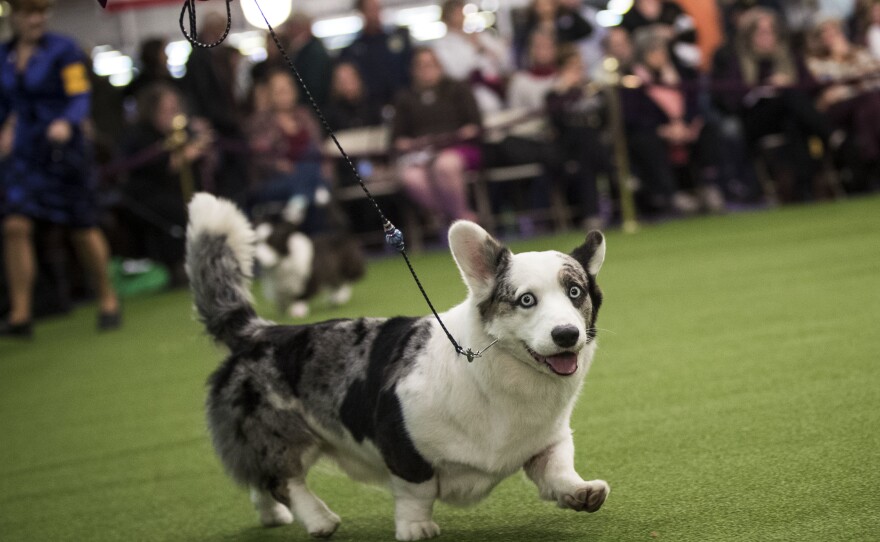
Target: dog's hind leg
414	508
272	513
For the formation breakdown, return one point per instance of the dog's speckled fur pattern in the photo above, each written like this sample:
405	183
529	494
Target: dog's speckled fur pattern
388	399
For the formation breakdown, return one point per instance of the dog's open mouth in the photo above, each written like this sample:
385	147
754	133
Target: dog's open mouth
563	364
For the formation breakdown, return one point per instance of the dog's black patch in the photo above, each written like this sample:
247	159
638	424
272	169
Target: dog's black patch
372	410
294	349
502	296
360	332
248	398
281	232
583	254
398	450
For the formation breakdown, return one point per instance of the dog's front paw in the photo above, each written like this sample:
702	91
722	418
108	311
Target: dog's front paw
416	530
275	515
586	498
299	309
324	525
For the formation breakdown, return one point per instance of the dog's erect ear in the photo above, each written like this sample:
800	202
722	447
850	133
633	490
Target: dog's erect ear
477	254
591	254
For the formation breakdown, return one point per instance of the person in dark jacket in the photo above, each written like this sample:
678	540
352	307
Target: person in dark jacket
382	56
565	23
209	87
44	85
310	58
153	67
349	105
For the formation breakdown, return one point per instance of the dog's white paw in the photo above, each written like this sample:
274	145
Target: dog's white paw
299	309
586	498
275	515
341	295
322	525
416	530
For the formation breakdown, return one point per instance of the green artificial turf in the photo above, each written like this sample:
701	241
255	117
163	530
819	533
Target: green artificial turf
735	396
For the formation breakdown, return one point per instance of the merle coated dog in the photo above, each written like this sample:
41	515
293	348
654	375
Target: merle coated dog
389	400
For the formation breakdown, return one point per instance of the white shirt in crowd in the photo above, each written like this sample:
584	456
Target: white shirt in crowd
460	58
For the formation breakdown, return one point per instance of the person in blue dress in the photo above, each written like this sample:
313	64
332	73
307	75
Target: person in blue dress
47	178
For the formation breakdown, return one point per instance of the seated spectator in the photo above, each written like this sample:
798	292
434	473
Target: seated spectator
383	57
851	94
871	30
286	145
155	193
523	136
479	58
618	47
349	105
666	133
528	87
556	16
674	24
758	80
578	111
435	134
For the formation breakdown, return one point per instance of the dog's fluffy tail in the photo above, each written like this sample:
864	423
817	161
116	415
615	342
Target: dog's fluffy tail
219	261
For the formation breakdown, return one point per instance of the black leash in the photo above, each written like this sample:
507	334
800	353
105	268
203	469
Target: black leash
189	8
393	236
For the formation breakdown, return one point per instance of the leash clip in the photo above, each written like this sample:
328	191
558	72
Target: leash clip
470	354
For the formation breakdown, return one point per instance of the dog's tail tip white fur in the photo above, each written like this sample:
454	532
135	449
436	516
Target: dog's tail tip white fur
212	215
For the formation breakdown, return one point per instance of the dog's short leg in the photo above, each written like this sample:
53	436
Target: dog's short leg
413	508
298	309
272	513
341	295
553	472
317	518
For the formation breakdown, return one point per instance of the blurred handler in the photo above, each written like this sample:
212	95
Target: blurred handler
44	86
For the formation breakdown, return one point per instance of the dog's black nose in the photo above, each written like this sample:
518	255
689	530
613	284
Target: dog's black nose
565	336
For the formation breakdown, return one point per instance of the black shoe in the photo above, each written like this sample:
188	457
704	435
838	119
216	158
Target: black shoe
24	330
108	321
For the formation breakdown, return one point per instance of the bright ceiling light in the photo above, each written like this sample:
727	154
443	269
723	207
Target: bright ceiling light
619	6
608	18
277	11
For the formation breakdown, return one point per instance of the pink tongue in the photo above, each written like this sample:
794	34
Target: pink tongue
563	364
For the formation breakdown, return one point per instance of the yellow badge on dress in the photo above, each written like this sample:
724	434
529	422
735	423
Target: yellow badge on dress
75	79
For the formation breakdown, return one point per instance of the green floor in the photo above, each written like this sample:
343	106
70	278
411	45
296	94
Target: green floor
735	396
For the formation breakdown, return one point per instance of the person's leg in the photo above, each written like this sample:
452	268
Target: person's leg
448	175
20	266
94	254
418	187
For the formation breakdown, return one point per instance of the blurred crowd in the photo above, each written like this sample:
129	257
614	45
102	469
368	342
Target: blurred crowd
783	108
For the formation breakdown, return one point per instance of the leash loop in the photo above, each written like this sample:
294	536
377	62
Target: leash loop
189	8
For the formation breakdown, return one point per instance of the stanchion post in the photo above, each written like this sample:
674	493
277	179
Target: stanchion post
621	155
177	145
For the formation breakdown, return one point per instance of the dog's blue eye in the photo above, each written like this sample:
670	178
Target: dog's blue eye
574	292
527	300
